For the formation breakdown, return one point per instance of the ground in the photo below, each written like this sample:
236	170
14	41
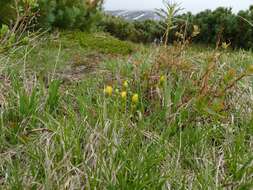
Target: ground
88	111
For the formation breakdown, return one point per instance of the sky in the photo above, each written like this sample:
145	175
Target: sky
189	5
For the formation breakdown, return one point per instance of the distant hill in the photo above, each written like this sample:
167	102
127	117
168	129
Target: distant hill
135	15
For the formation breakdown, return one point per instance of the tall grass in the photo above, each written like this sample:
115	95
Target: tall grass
189	128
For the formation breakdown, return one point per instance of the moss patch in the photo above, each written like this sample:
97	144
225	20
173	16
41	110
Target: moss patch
103	43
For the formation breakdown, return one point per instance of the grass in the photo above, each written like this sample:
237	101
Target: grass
102	42
191	127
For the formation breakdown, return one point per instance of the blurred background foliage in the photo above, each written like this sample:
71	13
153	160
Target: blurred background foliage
65	14
219	25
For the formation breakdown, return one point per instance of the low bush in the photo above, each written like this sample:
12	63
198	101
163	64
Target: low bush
6	12
104	43
100	42
220	25
223	25
68	14
139	31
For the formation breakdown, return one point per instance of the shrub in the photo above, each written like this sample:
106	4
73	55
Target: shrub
148	31
139	31
104	43
68	14
220	25
118	27
6	12
64	14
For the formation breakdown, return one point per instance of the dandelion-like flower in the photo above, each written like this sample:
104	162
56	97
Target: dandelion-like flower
108	90
162	79
225	45
124	95
125	84
135	98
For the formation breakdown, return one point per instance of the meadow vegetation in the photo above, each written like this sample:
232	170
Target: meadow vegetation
85	110
221	23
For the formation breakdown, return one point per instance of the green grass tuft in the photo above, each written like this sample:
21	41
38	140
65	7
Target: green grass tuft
105	43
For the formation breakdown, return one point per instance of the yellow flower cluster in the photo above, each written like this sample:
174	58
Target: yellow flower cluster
108	91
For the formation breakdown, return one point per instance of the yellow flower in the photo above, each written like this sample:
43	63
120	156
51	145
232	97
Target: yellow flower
162	79
108	90
125	84
196	30
124	95
135	99
225	45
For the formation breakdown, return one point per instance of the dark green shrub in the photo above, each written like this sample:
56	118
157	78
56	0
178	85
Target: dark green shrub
6	12
148	31
139	31
66	14
220	25
118	27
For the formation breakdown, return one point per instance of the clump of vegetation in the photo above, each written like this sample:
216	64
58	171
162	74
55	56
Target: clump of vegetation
69	14
171	117
138	31
168	14
221	24
50	14
162	117
104	43
16	18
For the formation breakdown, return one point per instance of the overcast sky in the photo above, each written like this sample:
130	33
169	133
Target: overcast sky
188	5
